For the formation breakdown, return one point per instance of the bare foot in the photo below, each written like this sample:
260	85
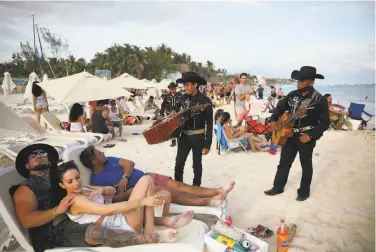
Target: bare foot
179	220
216	202
168	235
229	188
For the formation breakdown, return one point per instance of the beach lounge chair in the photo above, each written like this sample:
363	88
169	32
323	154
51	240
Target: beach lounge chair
225	143
356	113
74	154
53	123
136	111
191	237
86	139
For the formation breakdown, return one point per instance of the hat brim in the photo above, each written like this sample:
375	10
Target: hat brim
199	80
296	75
23	156
172	86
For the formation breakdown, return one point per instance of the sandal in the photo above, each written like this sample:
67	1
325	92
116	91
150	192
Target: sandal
260	231
109	146
122	140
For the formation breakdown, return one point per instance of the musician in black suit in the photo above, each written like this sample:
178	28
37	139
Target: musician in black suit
197	131
169	104
306	131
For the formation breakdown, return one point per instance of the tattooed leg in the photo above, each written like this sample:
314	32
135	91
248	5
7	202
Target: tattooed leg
98	235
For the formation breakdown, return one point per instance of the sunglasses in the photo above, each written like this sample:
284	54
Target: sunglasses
64	166
34	154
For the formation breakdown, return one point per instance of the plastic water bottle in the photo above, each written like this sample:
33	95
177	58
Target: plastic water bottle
282	237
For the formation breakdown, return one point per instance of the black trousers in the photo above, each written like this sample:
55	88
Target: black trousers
185	145
288	154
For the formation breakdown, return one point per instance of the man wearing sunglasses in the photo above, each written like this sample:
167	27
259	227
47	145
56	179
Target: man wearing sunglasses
48	225
306	130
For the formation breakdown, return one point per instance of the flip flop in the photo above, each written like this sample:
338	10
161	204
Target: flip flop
109	146
136	134
123	140
260	231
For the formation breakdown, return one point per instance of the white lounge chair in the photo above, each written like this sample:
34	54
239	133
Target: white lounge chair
191	237
86	139
74	154
134	110
53	123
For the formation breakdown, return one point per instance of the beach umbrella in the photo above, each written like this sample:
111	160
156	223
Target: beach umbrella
127	81
8	85
81	87
28	96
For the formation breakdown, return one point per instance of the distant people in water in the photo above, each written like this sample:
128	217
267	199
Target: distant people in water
40	103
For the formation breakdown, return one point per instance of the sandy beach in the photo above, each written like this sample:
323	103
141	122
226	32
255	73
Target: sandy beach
339	215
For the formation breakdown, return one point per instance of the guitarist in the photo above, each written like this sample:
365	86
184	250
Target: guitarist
306	131
169	104
197	131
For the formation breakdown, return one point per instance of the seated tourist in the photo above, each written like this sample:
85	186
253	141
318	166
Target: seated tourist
254	143
150	104
115	116
44	215
112	171
337	115
134	215
100	119
77	119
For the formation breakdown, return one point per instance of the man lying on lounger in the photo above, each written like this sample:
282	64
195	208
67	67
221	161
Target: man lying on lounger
112	171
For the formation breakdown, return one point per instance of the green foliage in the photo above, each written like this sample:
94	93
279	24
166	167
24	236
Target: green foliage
143	63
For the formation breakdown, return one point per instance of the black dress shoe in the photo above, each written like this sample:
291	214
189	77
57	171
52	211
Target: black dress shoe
273	192
302	197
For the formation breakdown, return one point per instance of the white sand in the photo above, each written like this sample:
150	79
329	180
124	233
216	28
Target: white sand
339	215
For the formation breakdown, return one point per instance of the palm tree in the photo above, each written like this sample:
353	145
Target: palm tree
136	62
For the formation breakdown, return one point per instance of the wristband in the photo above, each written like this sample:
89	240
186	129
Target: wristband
54	213
138	205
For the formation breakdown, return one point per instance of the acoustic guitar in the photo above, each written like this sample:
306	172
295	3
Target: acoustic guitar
284	126
170	126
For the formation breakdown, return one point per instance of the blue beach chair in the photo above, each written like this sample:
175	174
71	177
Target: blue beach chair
356	113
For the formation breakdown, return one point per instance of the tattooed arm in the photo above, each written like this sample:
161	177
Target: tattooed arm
98	235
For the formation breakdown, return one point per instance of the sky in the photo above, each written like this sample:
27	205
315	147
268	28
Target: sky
265	38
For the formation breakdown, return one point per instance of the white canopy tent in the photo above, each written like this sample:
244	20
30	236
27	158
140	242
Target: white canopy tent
28	96
127	81
8	85
81	87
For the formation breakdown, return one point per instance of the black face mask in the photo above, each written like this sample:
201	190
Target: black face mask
40	167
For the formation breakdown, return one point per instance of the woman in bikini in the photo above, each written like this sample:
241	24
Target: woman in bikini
134	215
40	103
